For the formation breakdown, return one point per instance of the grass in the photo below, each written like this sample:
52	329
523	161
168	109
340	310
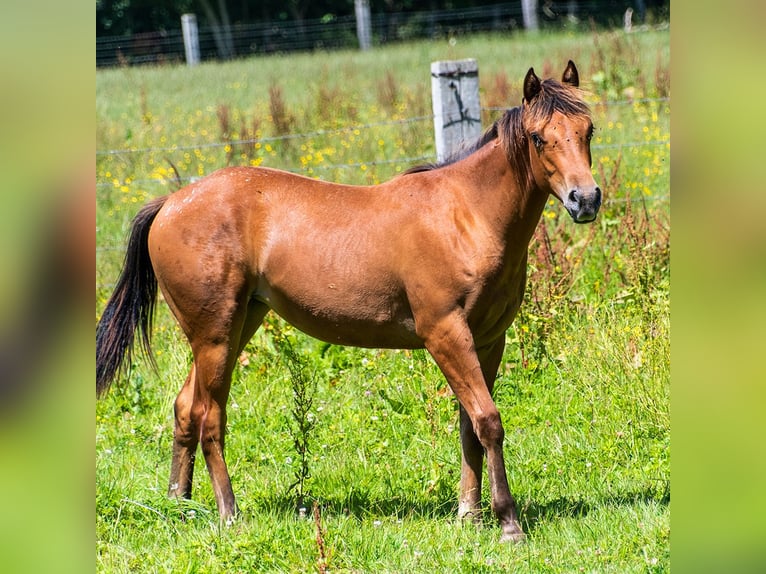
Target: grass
583	388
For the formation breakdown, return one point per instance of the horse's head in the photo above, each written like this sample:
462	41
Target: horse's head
559	129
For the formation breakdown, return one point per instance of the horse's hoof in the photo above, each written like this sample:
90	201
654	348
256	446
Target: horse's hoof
515	536
229	520
470	517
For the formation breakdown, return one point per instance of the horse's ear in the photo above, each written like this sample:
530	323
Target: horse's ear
531	85
571	76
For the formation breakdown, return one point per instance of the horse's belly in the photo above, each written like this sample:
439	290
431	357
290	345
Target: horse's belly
355	318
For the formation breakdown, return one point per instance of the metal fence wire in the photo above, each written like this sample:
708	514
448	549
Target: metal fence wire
339	31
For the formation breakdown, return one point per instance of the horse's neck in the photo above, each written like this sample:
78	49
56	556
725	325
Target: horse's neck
511	204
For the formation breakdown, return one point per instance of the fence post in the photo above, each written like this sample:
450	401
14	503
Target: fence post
457	111
191	38
529	14
363	31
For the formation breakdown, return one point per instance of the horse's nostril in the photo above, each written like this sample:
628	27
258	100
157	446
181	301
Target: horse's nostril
598	194
573	196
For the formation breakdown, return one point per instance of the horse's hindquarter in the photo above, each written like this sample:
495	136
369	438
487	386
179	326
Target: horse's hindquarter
200	249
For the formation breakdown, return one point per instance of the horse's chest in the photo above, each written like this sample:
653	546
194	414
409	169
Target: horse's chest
495	305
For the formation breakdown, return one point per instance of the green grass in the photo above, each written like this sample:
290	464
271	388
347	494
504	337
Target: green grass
583	388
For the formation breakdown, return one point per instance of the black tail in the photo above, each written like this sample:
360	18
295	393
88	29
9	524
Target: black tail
131	304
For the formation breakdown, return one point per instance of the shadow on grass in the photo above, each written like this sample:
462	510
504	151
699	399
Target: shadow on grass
362	505
532	513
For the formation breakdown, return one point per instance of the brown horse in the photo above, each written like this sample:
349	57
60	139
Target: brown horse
435	258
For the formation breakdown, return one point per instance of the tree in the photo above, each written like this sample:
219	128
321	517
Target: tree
126	17
221	25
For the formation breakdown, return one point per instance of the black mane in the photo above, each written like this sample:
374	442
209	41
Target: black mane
510	130
462	153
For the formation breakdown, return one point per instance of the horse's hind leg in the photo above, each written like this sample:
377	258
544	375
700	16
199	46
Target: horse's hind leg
213	363
200	417
200	408
185	441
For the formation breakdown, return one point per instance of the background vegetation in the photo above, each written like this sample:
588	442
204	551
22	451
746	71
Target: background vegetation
583	388
119	17
131	32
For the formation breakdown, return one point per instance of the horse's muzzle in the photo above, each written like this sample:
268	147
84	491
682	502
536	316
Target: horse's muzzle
582	205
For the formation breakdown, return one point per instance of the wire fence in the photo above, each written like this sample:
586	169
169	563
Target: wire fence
339	131
324	132
305	135
339	31
329	32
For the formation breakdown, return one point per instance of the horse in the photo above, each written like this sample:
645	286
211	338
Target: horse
434	258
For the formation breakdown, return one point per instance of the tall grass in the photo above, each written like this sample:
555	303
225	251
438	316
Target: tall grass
583	387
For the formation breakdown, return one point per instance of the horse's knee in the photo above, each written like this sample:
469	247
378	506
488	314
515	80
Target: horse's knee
212	426
184	421
489	429
182	406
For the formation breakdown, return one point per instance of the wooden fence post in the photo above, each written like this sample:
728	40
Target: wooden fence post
529	14
457	111
363	30
191	38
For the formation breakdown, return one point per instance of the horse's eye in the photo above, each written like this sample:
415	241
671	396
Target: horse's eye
537	140
589	135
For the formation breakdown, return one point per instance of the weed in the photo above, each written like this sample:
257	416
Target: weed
498	93
611	180
242	144
552	270
648	243
304	387
662	77
388	91
617	64
224	123
281	119
146	115
248	135
322	559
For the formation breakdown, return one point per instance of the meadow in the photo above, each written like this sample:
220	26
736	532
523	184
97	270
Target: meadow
366	440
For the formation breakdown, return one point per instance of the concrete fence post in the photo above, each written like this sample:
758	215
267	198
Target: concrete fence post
191	38
456	106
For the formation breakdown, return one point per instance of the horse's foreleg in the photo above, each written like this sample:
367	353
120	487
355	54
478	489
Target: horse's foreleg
450	342
472	450
470	471
185	440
